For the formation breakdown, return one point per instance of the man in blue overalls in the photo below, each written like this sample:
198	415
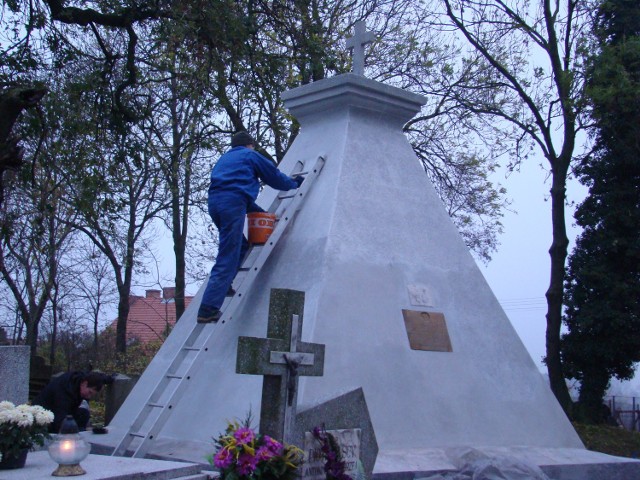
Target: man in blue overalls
235	183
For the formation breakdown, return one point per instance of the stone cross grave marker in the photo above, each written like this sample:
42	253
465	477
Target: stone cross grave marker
356	44
282	358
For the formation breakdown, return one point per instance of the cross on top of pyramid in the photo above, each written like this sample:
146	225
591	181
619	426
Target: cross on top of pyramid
356	44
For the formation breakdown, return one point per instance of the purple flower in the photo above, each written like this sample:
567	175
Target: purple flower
244	435
272	445
223	458
264	453
246	464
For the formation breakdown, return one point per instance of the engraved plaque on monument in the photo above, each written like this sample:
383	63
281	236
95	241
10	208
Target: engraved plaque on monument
427	331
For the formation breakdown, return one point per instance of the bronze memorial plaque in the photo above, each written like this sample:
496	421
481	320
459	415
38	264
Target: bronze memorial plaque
427	331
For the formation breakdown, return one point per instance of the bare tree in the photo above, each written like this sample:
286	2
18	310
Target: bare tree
180	132
529	74
117	221
93	289
33	240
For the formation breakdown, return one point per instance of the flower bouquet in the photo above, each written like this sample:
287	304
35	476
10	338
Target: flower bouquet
242	454
22	427
334	466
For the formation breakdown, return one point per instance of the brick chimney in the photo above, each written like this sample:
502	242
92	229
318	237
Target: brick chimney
153	293
169	293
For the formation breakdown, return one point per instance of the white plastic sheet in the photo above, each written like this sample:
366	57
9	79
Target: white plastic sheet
474	465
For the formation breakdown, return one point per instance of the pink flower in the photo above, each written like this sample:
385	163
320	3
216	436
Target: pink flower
263	453
246	464
272	445
244	435
223	458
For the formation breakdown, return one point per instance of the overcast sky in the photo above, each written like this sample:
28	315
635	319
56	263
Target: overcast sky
520	269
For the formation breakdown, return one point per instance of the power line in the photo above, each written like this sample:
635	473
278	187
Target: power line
525	304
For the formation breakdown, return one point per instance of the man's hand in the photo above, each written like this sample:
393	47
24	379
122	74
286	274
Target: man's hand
298	179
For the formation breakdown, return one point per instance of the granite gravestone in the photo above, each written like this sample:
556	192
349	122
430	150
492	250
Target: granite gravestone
14	372
282	358
116	394
344	413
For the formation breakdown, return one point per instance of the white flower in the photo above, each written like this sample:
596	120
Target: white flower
24	408
24	418
24	415
6	416
41	415
25	422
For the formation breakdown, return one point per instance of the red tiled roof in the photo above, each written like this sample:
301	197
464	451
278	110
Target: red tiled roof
150	316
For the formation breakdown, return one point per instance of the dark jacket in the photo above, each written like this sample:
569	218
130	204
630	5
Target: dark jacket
62	397
240	171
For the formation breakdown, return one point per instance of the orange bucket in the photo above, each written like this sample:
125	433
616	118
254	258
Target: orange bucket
261	225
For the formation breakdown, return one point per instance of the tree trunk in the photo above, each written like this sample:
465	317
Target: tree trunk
179	248
123	316
96	332
554	294
593	388
54	336
124	291
32	335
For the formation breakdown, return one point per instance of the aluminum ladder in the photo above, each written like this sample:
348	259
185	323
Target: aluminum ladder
157	409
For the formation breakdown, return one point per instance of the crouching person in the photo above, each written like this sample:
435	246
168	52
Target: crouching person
68	394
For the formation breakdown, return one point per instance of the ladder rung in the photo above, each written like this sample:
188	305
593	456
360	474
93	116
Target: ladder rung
136	434
289	195
156	405
169	375
192	349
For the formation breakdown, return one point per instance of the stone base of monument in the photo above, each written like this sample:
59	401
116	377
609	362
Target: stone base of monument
442	463
100	467
556	463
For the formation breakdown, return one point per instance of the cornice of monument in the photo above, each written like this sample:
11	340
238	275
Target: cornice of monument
350	90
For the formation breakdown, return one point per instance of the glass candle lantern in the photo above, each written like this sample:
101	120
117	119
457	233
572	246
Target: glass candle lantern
69	449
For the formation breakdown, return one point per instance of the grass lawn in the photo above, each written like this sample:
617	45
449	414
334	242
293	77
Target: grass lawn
611	440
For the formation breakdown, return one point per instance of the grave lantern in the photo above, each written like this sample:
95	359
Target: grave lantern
69	449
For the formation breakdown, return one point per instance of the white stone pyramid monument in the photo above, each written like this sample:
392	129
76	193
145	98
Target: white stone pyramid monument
371	240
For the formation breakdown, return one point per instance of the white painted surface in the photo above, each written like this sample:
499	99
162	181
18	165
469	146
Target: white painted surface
371	239
425	460
99	467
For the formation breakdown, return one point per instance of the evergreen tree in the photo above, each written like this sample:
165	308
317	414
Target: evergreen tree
603	281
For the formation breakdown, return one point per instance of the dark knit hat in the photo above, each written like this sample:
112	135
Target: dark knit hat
242	139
